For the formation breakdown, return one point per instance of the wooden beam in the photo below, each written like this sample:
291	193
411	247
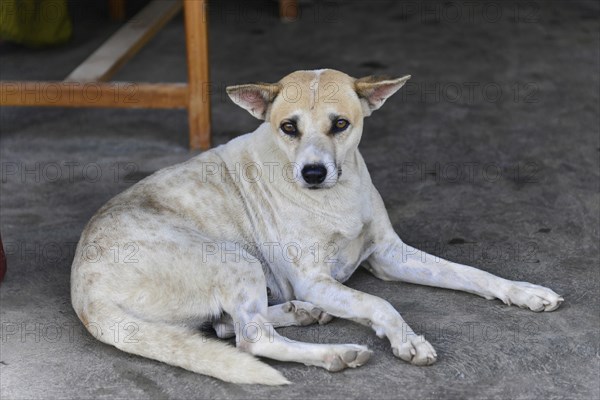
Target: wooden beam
198	79
93	94
126	42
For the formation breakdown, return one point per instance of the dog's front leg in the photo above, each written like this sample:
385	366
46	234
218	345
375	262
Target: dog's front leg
344	302
394	260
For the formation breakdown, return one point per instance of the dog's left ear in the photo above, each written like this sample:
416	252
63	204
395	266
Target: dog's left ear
374	91
255	98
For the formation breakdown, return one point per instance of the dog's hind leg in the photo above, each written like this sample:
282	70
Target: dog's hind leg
297	312
247	306
291	313
175	344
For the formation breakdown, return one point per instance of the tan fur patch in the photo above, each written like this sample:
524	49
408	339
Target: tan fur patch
302	91
84	318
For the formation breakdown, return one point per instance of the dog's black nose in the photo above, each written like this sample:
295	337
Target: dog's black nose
314	173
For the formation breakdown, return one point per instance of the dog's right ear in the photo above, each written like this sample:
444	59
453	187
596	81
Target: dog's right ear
256	98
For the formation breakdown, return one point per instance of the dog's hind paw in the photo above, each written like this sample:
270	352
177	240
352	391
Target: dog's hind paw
306	313
416	350
347	356
535	297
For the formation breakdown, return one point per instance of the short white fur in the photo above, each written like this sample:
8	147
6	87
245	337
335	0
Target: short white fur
199	246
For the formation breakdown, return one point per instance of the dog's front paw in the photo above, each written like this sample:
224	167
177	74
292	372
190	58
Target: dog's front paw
306	313
416	350
347	356
535	297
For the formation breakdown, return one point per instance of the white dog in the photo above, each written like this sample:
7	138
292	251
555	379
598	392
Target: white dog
260	233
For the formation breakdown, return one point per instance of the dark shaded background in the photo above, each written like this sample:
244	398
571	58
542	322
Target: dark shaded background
489	157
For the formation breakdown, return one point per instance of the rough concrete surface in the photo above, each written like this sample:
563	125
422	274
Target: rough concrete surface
489	157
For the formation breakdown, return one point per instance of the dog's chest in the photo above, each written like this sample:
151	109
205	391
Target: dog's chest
345	261
311	241
337	256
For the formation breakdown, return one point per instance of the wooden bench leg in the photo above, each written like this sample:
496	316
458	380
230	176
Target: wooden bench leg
116	10
288	10
196	32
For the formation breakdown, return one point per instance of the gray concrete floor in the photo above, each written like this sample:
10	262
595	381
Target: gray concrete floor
504	93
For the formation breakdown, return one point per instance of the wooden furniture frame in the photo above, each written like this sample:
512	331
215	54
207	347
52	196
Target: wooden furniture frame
88	85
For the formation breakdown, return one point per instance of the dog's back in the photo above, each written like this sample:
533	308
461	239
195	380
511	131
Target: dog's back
134	279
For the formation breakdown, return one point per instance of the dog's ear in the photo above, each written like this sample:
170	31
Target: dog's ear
255	98
374	91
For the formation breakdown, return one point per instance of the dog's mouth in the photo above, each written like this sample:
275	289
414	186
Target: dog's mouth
319	186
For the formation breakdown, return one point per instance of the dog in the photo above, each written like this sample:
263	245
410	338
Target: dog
260	233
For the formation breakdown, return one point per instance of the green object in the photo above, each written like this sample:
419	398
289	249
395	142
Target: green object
35	23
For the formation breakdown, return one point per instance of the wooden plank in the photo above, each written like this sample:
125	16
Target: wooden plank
196	32
126	42
93	94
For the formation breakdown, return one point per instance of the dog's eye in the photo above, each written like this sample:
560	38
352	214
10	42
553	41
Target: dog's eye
340	125
289	128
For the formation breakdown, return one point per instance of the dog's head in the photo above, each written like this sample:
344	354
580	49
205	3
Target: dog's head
316	117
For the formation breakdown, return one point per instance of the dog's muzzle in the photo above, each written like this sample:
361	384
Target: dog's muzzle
314	174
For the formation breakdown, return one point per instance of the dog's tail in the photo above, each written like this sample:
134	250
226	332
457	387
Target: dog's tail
186	348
